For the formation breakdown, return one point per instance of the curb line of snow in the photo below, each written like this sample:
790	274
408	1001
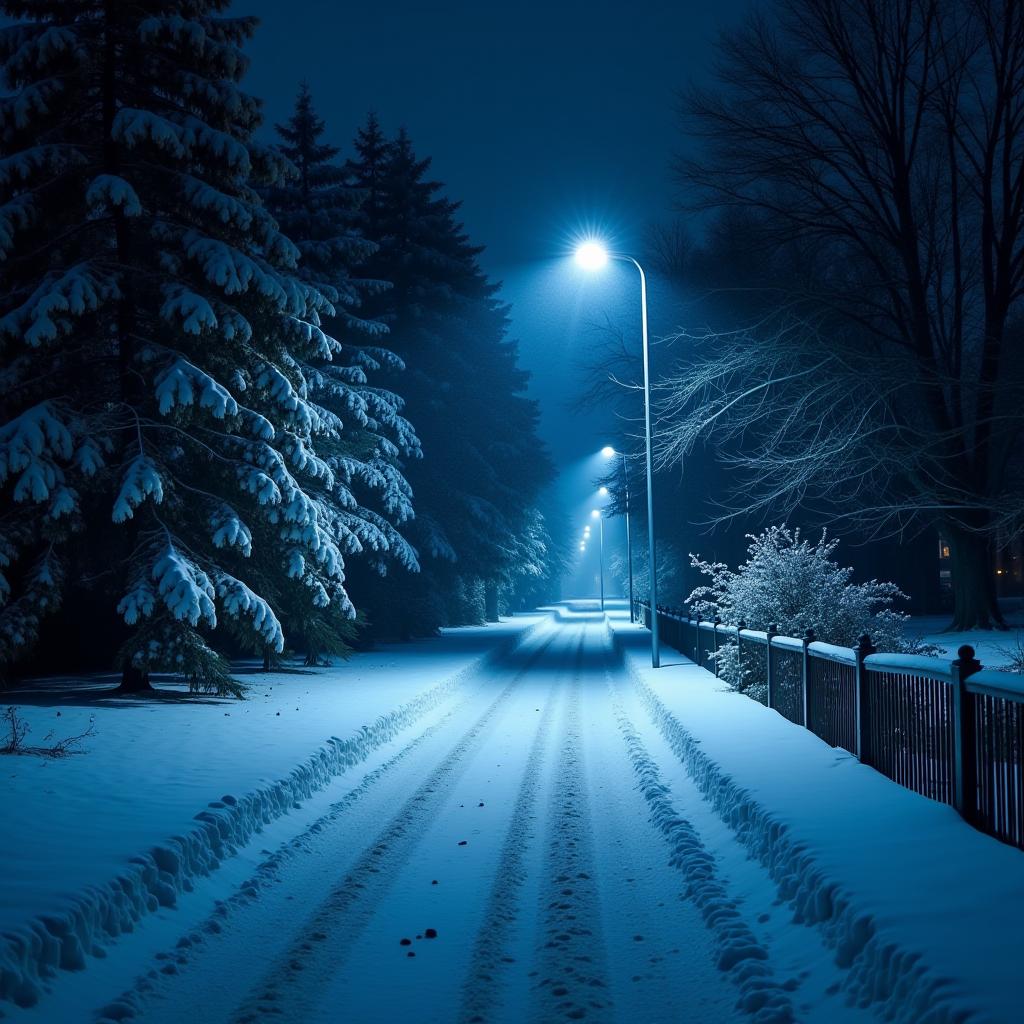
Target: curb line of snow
153	880
892	981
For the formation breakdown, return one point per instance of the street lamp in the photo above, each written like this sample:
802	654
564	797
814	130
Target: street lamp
597	515
593	256
608	452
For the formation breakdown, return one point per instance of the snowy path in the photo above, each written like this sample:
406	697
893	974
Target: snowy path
531	826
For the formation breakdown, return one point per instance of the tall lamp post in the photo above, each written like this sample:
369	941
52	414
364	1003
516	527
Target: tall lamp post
592	256
597	515
608	452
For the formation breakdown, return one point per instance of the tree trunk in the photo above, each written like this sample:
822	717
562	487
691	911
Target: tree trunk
133	680
491	602
974	584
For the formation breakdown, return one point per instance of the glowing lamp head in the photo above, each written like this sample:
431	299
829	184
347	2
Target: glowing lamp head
607	451
591	256
595	513
603	490
583	547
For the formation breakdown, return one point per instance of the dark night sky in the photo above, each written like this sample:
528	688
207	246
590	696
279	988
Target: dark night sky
546	118
539	114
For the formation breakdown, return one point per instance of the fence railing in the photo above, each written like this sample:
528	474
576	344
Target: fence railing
946	729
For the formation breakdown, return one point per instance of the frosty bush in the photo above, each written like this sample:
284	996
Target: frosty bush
795	585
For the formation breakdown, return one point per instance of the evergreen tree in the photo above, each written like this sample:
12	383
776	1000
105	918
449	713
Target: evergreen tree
166	427
317	208
483	466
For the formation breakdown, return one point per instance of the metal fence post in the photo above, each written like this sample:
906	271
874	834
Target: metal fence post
861	651
808	638
714	641
773	630
965	766
740	626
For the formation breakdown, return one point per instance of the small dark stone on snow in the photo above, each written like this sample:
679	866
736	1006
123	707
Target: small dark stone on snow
481	803
58	714
431	933
638	938
463	843
279	714
410	953
405	942
434	882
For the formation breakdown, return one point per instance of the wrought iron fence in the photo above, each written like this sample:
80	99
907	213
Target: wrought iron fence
946	729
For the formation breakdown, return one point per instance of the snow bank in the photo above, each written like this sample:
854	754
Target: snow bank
925	913
68	881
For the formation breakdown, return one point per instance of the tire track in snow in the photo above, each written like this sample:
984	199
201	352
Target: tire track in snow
572	973
740	954
268	874
289	989
489	958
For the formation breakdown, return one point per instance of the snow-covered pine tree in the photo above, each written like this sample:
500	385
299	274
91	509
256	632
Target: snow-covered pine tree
317	208
160	427
483	464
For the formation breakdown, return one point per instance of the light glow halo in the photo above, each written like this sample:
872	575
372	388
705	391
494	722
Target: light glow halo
591	256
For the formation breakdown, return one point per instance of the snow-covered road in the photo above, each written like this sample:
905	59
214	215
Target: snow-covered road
545	832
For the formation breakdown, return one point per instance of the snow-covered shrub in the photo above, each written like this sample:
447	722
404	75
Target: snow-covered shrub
1015	653
795	585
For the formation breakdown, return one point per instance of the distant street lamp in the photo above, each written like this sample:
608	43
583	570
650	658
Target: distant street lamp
608	452
597	515
593	256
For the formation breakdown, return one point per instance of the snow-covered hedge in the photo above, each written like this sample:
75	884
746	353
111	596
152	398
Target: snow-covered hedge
793	585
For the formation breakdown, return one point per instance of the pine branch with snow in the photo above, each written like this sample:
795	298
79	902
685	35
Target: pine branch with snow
163	424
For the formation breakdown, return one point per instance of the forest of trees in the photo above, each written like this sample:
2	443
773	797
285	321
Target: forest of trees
852	348
256	398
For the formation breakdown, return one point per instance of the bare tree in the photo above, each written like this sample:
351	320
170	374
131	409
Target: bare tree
667	246
882	141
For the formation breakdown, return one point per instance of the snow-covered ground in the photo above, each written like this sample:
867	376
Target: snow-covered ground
590	839
87	839
926	913
994	649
